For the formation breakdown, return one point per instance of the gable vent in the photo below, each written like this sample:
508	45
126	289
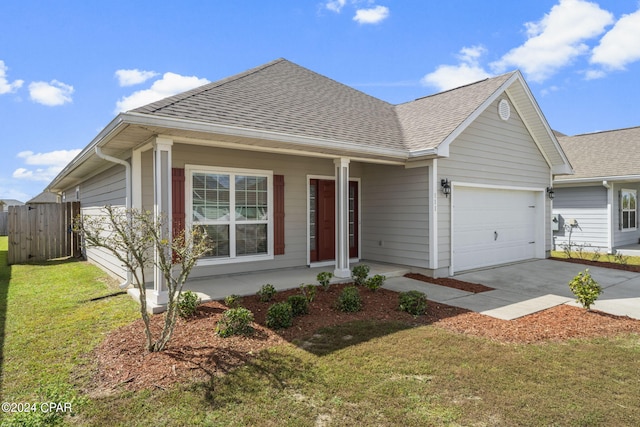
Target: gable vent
504	110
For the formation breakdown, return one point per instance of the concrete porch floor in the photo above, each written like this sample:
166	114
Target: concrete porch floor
218	287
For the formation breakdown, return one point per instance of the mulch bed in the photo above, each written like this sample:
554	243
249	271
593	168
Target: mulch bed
197	353
451	283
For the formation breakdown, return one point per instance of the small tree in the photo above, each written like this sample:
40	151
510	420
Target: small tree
134	237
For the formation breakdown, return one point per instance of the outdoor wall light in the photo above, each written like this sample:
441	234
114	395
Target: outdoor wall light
550	193
446	187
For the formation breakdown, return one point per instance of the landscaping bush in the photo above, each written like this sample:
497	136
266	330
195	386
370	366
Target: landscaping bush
266	293
585	288
279	316
235	321
309	292
299	305
324	278
359	274
188	304
374	283
413	302
233	301
349	300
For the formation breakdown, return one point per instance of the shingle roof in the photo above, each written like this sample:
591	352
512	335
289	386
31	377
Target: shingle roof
603	154
281	96
430	120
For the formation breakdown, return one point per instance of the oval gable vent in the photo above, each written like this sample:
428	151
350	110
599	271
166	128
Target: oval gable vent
504	109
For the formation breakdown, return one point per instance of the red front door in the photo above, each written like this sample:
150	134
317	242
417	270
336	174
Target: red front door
322	222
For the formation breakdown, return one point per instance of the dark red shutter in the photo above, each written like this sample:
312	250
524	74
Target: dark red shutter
177	200
278	214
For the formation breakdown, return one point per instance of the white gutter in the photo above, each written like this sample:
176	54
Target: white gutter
127	168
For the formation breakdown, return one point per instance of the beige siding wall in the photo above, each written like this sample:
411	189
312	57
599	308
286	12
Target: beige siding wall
106	188
395	215
588	207
492	151
295	170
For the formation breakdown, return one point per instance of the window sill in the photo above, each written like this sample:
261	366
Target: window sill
236	260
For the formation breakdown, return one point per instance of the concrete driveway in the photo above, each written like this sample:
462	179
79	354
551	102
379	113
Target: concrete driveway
532	286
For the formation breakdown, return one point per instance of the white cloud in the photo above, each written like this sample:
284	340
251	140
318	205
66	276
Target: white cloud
467	71
170	84
620	46
335	5
557	39
374	15
51	164
133	77
50	94
594	74
5	86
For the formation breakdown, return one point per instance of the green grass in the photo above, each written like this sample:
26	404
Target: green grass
362	373
48	323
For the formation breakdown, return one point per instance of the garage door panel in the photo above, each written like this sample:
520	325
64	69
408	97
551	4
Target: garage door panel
492	226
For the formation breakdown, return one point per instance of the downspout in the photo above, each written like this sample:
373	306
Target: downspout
607	185
127	168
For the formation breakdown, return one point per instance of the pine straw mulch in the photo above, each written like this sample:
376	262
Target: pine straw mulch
605	264
197	353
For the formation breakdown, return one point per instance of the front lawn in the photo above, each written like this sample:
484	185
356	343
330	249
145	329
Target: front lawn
359	373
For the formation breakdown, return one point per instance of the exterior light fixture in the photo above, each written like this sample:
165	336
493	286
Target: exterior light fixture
446	187
550	193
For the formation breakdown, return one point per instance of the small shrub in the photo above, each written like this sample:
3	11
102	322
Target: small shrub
188	304
359	274
374	283
324	278
585	288
349	300
233	301
266	293
620	258
309	292
279	316
299	305
413	302
235	321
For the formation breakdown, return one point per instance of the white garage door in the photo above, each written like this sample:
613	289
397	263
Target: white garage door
493	226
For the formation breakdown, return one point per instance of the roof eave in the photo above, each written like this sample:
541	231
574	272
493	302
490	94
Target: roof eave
300	140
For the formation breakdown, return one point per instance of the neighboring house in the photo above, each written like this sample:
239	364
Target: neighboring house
5	203
597	206
44	197
287	168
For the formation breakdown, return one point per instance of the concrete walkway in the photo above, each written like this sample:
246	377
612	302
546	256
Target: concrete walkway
528	287
519	289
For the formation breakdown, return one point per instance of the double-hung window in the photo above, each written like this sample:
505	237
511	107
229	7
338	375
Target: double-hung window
235	208
628	206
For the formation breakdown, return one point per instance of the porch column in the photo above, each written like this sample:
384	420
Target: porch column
342	218
161	209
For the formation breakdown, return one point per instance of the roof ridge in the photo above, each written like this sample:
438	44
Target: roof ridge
206	87
459	87
601	131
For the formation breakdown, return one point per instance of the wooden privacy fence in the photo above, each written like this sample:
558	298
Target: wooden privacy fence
41	232
3	223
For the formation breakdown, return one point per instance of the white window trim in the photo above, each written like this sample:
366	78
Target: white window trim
622	210
233	258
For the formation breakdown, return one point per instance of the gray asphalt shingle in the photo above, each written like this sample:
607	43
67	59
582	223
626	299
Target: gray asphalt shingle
281	96
603	154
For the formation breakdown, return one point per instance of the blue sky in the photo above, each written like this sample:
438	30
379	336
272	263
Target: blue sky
67	67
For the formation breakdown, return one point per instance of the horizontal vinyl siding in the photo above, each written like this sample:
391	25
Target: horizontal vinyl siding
492	151
395	215
295	170
588	207
620	237
106	188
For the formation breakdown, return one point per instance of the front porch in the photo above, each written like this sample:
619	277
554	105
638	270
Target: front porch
218	287
629	250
